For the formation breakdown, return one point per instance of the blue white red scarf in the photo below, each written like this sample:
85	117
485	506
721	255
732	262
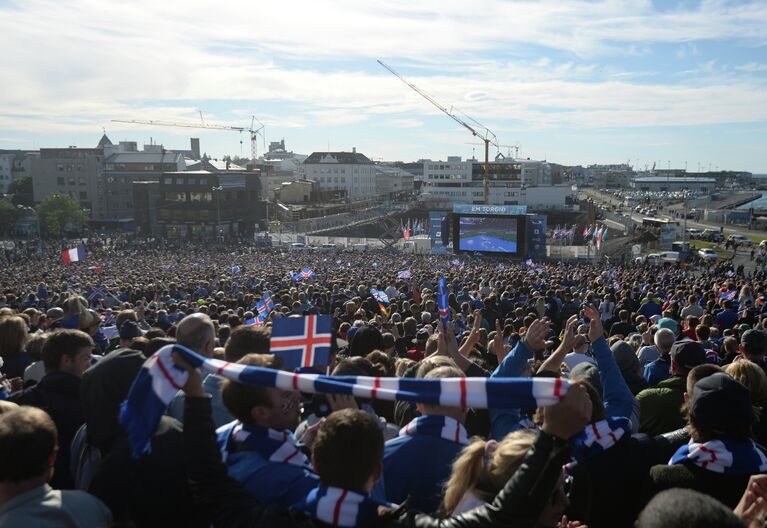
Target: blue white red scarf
160	378
340	507
723	456
598	437
439	426
273	445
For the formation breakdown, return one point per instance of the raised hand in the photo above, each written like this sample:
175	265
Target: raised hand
570	416
595	323
535	336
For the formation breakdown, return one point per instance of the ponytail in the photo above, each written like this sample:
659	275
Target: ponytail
467	469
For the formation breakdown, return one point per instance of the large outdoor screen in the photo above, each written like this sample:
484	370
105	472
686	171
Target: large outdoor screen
497	234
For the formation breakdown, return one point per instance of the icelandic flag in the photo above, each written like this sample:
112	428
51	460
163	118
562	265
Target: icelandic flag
405	274
457	263
235	269
261	308
256	321
306	273
302	342
98	291
73	255
729	295
267	300
379	296
442	304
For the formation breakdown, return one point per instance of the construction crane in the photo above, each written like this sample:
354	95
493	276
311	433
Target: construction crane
486	134
509	147
252	130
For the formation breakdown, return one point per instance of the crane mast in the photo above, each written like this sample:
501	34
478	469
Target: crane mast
488	137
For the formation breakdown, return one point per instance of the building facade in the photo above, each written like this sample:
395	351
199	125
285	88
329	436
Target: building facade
76	172
393	182
207	204
350	174
14	165
510	182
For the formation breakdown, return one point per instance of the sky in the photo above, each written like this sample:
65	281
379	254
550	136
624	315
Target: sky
680	83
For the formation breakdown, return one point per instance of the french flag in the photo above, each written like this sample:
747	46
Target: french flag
73	255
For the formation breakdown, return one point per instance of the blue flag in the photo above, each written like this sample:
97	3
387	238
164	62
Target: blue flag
235	269
442	302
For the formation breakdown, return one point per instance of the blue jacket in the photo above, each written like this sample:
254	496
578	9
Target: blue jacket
505	421
658	370
268	482
417	466
617	397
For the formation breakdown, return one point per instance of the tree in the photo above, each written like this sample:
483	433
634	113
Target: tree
21	186
59	215
8	216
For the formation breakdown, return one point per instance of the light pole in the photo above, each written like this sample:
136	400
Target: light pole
217	190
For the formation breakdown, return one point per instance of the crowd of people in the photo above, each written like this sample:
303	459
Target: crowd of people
661	422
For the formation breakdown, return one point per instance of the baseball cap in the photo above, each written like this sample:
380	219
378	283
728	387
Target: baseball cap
721	404
688	354
588	372
754	341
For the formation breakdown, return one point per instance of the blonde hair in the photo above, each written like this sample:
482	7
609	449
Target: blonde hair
401	365
486	475
434	362
752	376
13	336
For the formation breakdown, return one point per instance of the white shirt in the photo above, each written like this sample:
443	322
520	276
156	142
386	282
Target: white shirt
574	358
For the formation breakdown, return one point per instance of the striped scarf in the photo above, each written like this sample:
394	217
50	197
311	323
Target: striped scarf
439	426
159	379
340	507
723	456
275	446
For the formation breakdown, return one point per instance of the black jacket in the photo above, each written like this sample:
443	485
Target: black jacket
227	503
58	394
151	490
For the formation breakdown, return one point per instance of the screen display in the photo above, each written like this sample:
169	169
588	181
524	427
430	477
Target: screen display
497	234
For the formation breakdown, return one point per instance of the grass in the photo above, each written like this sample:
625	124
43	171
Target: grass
700	244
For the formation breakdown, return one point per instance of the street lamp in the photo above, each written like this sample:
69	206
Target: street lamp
217	190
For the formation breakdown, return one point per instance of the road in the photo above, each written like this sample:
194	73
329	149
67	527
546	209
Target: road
637	218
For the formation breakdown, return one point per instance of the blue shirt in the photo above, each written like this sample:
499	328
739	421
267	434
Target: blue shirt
649	309
657	371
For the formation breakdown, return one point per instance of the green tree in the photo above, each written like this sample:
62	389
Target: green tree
21	186
59	215
8	216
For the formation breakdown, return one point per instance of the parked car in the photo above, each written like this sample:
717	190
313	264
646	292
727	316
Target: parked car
651	258
694	233
741	240
708	254
327	247
670	257
298	246
712	235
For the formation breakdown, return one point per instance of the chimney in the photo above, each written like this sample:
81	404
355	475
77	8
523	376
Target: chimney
354	150
196	148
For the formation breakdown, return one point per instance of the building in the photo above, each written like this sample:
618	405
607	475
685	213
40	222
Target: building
101	178
297	192
209	203
349	173
276	172
510	182
610	176
393	182
14	165
77	172
654	183
124	164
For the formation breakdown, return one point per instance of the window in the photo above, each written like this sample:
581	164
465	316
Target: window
60	180
83	195
70	181
81	180
60	167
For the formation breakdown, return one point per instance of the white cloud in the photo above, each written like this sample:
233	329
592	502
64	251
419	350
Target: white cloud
752	67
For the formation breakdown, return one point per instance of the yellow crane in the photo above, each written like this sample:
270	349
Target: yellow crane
253	130
485	134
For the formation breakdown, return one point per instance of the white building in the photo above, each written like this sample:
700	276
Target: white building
15	164
349	172
510	182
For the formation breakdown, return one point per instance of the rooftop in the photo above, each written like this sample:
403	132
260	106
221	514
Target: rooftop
338	157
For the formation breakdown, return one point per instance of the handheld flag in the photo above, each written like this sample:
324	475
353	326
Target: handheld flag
98	291
235	269
302	342
379	296
405	274
442	302
73	255
306	273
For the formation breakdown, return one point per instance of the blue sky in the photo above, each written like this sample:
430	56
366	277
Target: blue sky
572	82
